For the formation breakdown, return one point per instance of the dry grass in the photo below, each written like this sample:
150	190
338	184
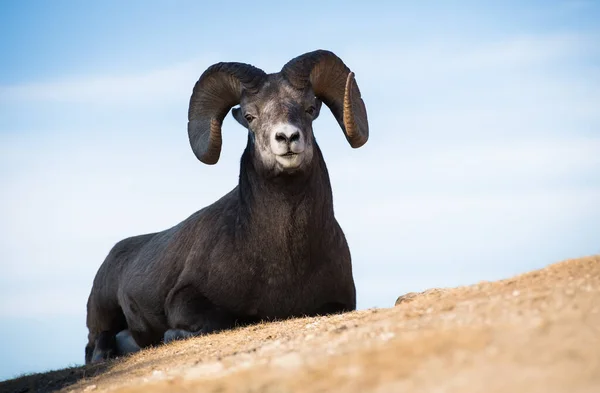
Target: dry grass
537	332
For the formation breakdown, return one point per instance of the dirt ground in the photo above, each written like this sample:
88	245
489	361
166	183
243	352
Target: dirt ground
537	332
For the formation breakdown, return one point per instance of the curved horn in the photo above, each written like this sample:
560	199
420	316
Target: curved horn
216	92
334	84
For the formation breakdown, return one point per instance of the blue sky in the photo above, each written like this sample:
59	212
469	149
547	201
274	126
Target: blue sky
483	161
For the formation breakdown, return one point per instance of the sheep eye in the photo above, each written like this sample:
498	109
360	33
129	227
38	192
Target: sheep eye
311	110
248	117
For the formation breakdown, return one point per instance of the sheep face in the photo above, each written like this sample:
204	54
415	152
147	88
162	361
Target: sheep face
279	119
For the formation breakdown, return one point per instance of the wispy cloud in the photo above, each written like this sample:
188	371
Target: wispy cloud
463	165
518	52
163	84
424	60
419	62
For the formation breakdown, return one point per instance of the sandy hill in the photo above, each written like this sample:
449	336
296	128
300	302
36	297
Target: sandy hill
537	332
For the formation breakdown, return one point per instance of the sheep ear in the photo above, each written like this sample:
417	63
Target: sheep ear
318	104
237	115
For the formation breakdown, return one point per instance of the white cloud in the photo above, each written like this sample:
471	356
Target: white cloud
539	79
171	83
418	63
505	162
518	52
422	60
165	84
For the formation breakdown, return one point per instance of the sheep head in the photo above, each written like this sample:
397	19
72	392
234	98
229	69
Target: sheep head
277	109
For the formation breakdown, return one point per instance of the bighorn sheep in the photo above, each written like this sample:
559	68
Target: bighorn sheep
269	249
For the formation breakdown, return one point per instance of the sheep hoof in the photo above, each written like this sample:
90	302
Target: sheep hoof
178	334
104	348
125	343
100	356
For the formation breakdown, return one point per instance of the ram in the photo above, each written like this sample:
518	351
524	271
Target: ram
269	249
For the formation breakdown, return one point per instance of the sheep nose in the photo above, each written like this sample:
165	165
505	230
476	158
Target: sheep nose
287	137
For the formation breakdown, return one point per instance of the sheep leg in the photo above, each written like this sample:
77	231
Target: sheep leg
105	347
144	326
179	334
211	321
109	345
125	343
105	319
190	314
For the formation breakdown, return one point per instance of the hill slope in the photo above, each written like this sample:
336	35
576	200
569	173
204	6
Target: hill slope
537	332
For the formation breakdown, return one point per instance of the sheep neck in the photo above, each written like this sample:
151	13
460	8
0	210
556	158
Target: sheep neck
286	212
